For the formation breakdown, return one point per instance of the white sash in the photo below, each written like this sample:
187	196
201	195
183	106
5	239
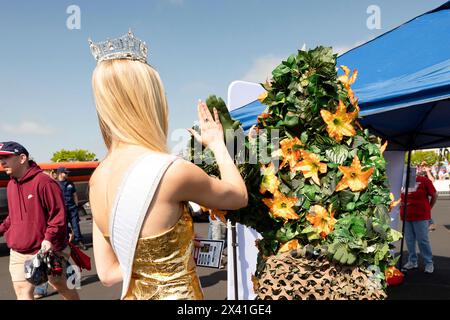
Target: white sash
130	208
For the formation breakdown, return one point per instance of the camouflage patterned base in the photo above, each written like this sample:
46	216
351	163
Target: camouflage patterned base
291	276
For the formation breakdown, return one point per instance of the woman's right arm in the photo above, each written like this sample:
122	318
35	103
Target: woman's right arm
106	263
193	184
229	192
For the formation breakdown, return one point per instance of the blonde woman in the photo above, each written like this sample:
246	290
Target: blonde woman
142	229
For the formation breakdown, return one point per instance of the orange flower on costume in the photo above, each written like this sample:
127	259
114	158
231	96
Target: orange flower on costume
215	213
347	81
263	115
339	124
321	219
262	96
311	166
354	178
394	202
270	181
289	154
288	246
281	206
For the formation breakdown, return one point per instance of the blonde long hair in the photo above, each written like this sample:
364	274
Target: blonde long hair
131	104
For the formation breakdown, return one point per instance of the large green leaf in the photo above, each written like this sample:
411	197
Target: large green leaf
280	71
311	233
358	227
337	154
304	138
345	197
287	232
309	191
395	235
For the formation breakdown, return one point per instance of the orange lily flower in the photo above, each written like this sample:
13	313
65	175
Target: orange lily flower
311	166
347	80
263	115
281	206
354	178
216	213
288	153
288	246
321	219
270	181
394	202
339	124
263	96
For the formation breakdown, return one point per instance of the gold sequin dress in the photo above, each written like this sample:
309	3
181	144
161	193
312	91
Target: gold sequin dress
163	266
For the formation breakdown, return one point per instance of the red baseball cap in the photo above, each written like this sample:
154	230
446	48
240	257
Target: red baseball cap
12	148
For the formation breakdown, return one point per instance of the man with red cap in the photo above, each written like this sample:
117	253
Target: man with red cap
36	220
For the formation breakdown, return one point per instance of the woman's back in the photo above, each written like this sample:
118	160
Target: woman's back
106	181
162	267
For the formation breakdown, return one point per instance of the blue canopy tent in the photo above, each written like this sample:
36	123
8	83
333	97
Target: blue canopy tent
404	82
403	85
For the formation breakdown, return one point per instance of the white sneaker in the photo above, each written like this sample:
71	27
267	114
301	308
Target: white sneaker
409	266
429	268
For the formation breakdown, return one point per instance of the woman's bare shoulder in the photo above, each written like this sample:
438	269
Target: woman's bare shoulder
97	174
182	168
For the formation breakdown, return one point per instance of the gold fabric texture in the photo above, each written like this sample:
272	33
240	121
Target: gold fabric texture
163	266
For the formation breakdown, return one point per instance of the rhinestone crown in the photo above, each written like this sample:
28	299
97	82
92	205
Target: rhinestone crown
125	47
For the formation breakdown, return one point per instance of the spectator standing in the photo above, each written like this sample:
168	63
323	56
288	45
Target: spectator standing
71	202
36	219
420	203
424	170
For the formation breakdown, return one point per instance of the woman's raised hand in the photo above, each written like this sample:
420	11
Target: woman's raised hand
211	131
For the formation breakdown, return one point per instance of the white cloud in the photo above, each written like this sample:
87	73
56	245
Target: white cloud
262	68
27	127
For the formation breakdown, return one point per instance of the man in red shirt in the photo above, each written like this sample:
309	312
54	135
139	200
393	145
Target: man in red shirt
36	219
418	214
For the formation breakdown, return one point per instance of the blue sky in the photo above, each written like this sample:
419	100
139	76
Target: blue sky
198	46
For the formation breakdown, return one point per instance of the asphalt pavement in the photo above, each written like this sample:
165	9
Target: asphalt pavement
214	281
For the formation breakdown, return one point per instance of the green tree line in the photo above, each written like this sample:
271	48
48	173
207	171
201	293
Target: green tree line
73	155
